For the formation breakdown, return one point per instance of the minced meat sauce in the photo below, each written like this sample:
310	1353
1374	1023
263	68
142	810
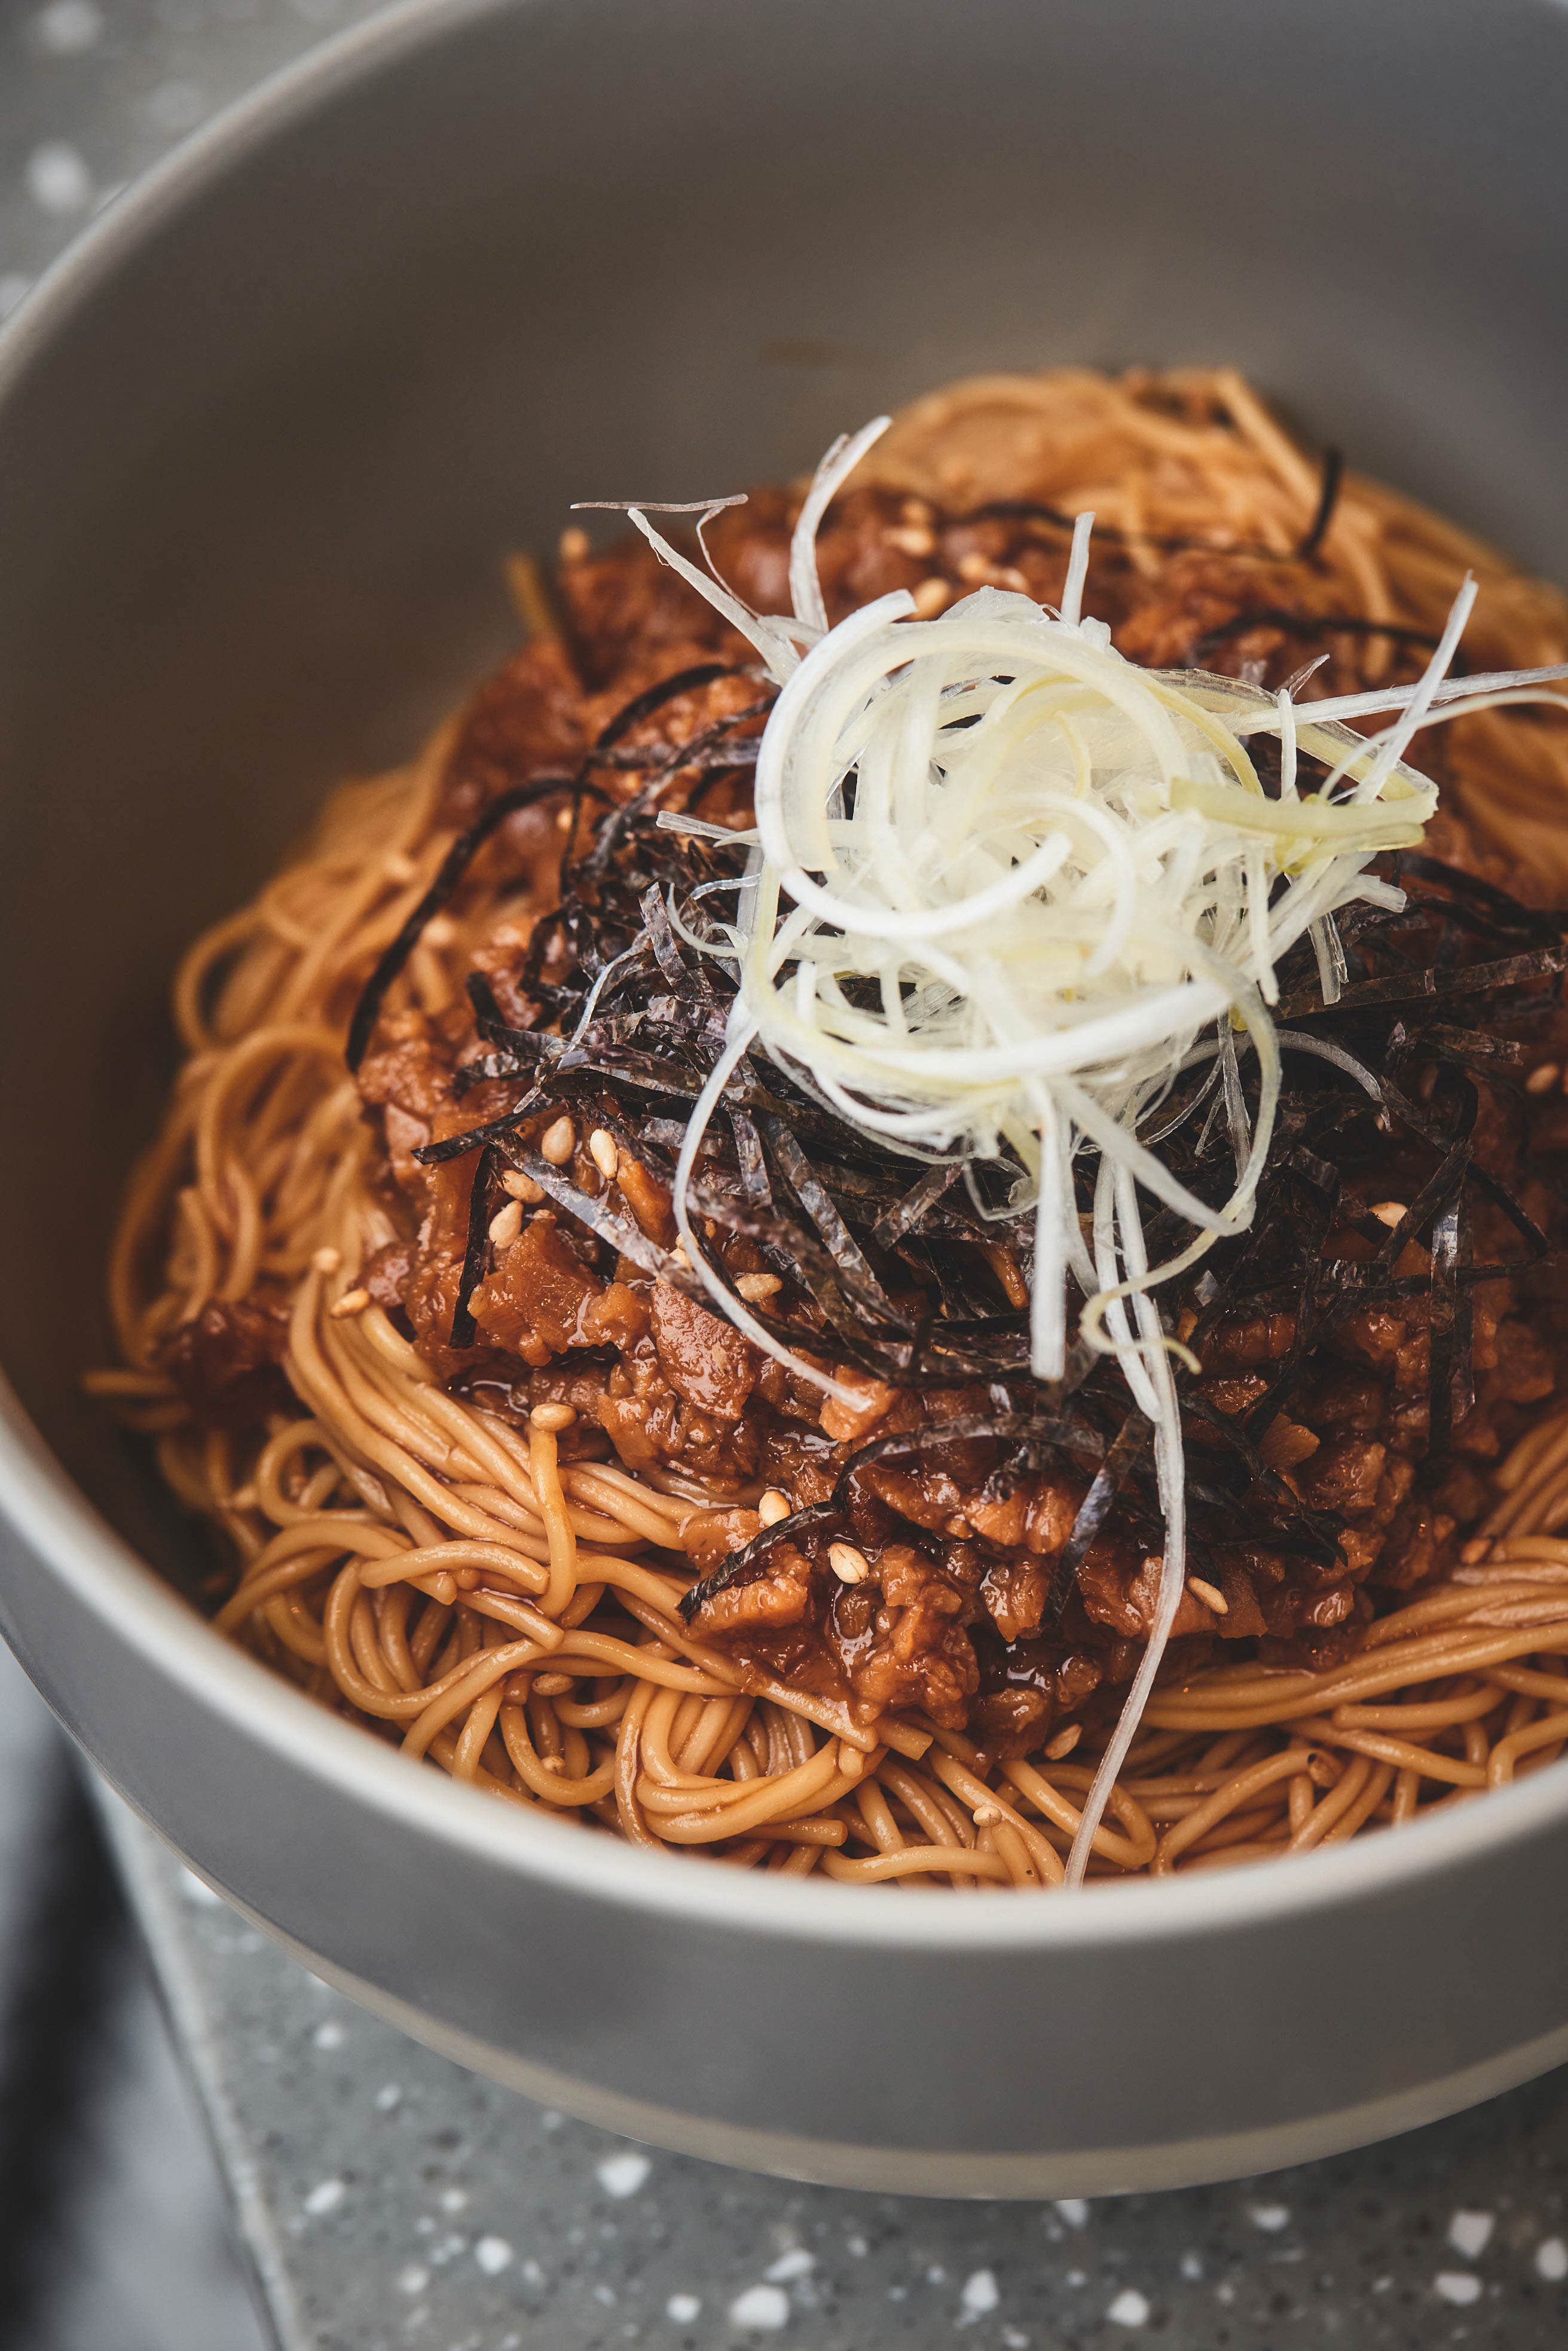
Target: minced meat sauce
955	1614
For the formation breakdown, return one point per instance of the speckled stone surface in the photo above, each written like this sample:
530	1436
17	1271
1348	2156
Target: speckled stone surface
388	2199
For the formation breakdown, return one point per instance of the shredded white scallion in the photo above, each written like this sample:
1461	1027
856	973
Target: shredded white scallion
1006	886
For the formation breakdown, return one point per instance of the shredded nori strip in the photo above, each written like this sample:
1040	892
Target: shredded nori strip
1310	625
464	1330
454	866
1328	498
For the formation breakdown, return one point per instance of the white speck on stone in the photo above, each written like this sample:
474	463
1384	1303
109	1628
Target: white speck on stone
389	2096
796	2263
1271	2218
1130	2308
57	180
1552	2259
857	2246
493	2255
1225	2292
1074	2210
413	2279
195	1889
684	2307
937	2274
452	2199
328	2036
175	106
624	2174
1470	2233
325	2197
1458	2286
1015	2338
763	2308
13	291
549	2120
533	2273
1192	2265
604	2293
68	27
1077	2277
978	2297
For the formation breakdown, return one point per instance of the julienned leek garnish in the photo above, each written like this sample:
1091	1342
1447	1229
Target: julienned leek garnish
1005	888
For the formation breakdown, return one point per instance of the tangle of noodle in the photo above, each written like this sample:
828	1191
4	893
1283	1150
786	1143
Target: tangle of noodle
421	1566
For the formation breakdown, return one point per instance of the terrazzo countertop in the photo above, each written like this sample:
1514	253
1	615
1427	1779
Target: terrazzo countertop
385	2198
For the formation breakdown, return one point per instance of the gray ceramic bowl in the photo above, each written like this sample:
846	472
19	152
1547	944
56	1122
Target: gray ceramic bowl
263	439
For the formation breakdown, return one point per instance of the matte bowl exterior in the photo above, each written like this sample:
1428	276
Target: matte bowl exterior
263	441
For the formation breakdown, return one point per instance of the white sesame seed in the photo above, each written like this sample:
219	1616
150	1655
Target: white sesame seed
850	1565
440	930
553	1417
912	540
603	1152
772	1507
1063	1744
931	597
755	1287
974	567
1542	1080
507	1224
521	1187
1209	1593
327	1260
558	1142
573	544
987	1815
353	1303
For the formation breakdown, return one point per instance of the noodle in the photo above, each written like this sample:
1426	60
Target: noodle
511	1616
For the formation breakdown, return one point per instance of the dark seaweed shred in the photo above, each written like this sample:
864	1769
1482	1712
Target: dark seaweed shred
1328	499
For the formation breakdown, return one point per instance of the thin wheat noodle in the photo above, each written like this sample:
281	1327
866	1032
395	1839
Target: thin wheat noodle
421	1562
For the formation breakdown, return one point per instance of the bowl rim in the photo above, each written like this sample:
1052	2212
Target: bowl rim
82	1550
